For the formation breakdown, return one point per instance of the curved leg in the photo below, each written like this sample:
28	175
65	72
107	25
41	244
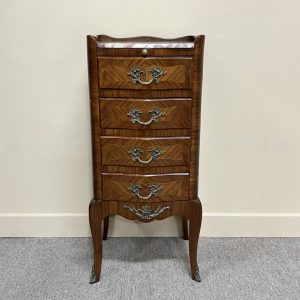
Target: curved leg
105	227
194	231
95	217
185	228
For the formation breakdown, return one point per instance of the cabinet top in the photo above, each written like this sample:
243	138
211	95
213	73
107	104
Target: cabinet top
104	41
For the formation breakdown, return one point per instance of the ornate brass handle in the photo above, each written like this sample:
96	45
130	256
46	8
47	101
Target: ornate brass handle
135	190
135	115
136	154
136	73
146	212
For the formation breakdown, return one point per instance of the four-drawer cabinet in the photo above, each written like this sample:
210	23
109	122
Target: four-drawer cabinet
145	97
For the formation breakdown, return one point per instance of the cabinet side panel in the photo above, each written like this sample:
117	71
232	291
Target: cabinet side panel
95	115
196	114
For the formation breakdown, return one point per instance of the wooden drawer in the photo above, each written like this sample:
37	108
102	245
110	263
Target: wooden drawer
141	188
173	73
152	114
145	152
144	211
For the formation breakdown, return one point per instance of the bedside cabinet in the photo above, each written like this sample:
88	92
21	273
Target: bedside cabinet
145	98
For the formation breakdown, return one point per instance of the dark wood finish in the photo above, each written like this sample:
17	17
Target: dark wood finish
105	227
114	113
113	73
196	109
173	186
145	171
115	151
185	228
95	116
112	95
190	210
146	132
106	93
195	220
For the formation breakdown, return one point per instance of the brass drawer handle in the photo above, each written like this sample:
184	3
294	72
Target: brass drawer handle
135	190
135	115
136	73
146	212
136	154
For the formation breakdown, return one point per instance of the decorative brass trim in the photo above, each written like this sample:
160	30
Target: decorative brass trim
197	274
135	115
136	154
135	190
93	275
136	73
146	212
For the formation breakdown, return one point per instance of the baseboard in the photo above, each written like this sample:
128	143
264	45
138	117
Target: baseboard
214	225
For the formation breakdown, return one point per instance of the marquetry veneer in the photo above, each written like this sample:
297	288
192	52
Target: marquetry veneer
145	96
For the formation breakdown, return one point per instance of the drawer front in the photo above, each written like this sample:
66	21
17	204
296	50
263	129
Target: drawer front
144	114
145	152
144	188
145	73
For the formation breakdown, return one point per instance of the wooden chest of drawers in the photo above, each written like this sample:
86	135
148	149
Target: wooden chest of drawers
145	96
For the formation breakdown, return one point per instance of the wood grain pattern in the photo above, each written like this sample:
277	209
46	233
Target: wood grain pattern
145	171
113	73
195	220
173	186
95	115
190	210
196	112
114	113
146	132
103	209
116	151
96	217
134	93
112	93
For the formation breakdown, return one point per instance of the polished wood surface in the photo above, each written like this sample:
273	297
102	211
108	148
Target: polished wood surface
113	73
146	170
146	132
176	132
116	151
95	115
172	186
190	210
134	93
196	114
176	113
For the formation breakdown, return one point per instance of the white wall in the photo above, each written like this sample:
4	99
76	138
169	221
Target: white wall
250	142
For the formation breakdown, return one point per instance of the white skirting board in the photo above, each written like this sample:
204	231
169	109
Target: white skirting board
213	225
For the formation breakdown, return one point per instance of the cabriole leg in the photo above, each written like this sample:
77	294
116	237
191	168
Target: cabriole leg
95	217
194	231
